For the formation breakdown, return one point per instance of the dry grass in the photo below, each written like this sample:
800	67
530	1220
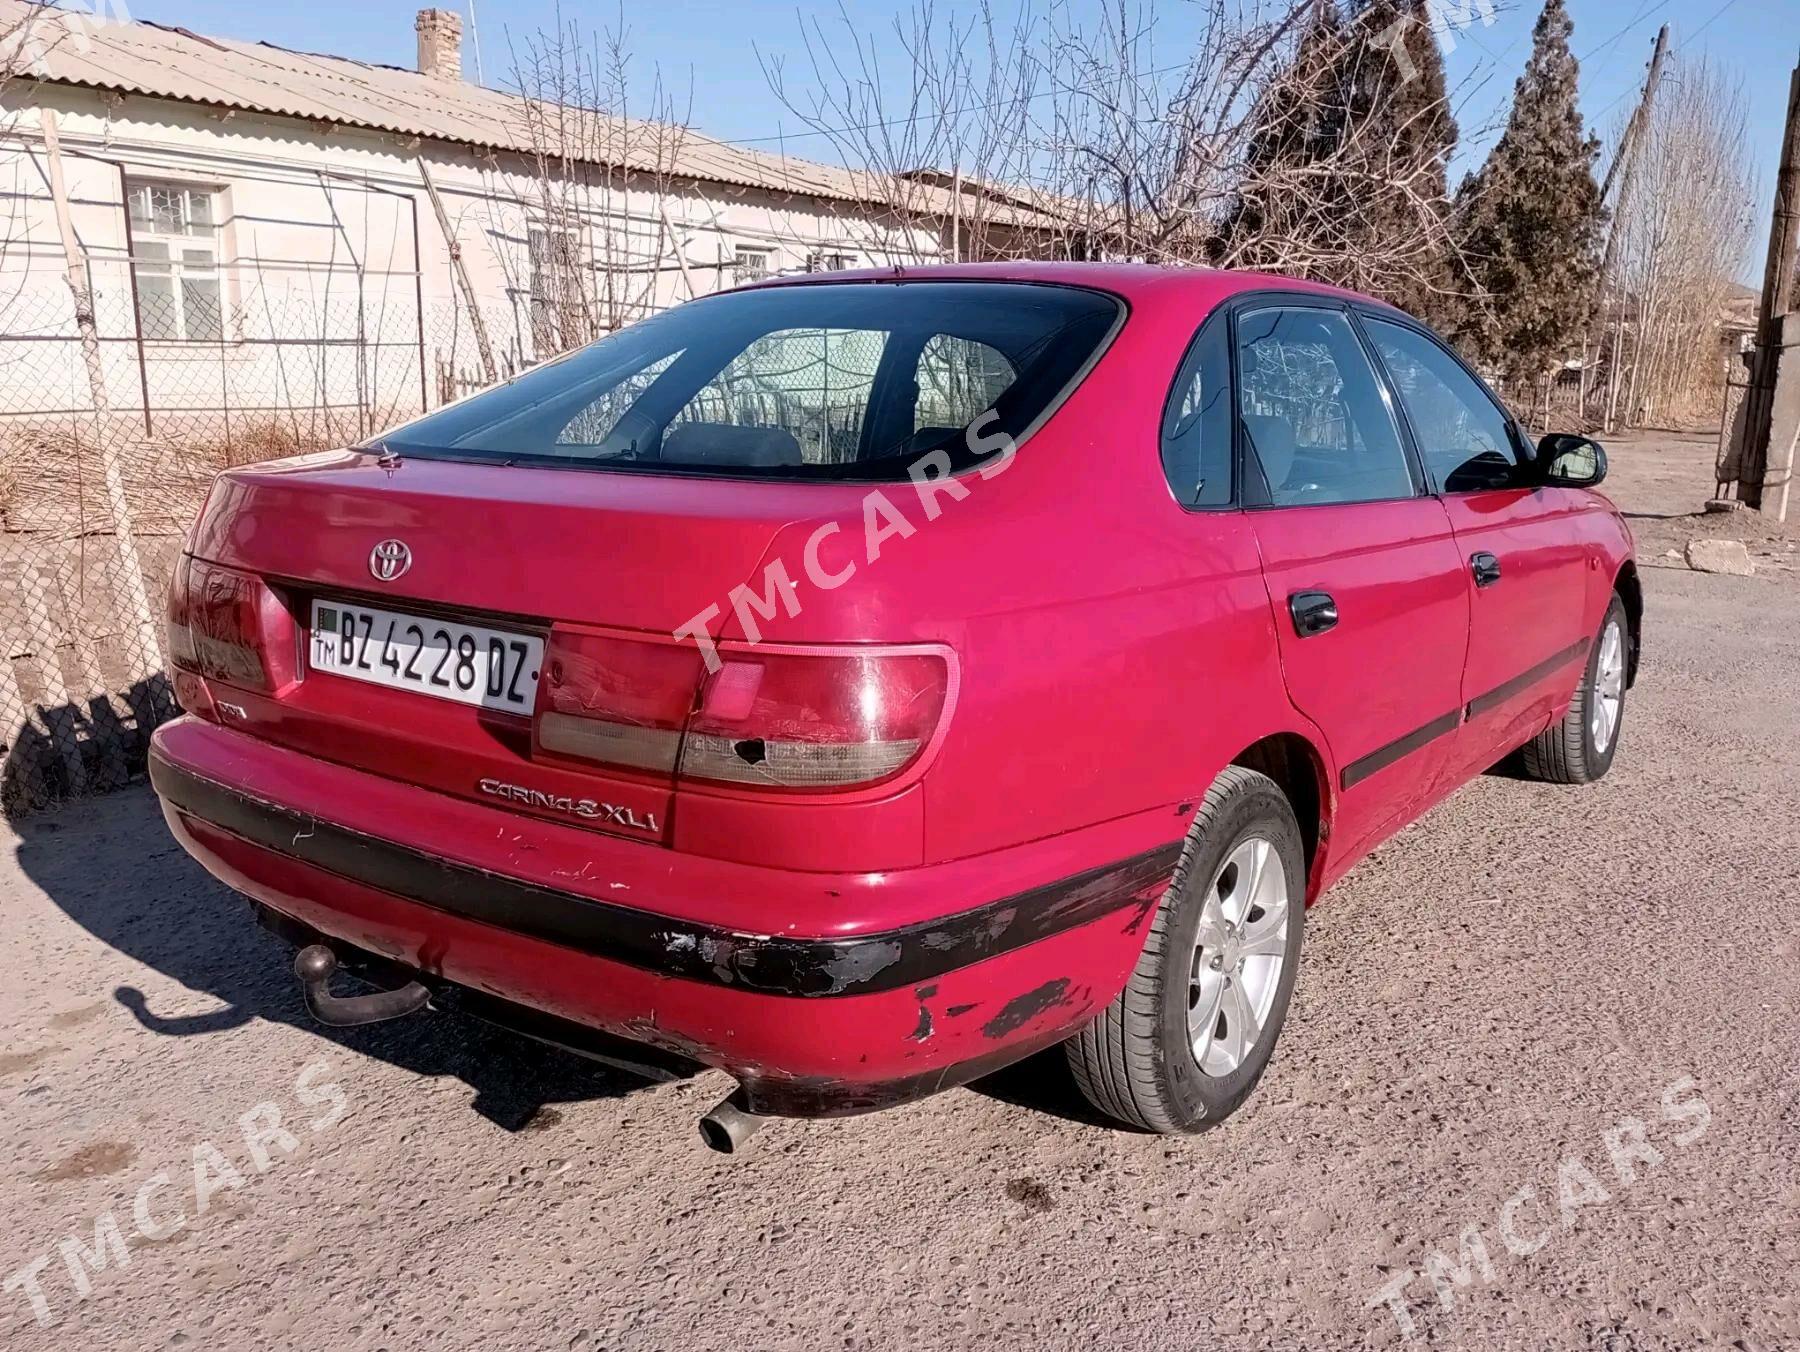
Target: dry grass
52	480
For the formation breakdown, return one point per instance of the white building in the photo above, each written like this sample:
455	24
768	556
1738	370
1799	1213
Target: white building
216	251
293	249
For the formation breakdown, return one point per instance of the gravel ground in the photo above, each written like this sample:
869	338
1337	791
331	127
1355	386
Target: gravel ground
1556	1026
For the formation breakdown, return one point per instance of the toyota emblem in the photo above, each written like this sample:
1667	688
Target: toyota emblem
389	559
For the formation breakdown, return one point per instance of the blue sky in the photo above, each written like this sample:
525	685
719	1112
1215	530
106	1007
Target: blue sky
710	46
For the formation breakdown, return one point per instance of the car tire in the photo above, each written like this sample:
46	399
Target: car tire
1152	1060
1580	748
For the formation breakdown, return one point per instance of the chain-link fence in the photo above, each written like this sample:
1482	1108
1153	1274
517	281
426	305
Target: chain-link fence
111	429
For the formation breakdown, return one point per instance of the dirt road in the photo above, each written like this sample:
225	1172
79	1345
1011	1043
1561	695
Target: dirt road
1549	1036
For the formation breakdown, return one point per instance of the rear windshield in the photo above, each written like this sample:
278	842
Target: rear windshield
832	381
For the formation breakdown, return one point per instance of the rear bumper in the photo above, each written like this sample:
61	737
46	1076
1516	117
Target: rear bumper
912	983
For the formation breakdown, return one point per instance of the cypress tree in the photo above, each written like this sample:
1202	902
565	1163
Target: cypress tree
1348	158
1398	101
1529	219
1299	122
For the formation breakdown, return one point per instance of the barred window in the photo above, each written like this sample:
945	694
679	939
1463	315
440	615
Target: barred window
749	265
175	257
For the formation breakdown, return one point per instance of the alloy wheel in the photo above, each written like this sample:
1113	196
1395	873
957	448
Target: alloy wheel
1238	956
1609	687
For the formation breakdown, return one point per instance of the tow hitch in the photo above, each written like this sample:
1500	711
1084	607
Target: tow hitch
314	965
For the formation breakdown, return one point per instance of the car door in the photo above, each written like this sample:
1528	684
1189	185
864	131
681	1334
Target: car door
1361	565
1527	562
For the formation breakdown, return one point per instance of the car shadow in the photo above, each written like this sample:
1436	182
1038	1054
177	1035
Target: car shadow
1043	1083
110	864
1510	766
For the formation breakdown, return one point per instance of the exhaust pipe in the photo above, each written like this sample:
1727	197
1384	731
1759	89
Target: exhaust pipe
730	1125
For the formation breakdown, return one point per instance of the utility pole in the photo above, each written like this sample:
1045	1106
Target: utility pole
1635	128
1623	170
1777	300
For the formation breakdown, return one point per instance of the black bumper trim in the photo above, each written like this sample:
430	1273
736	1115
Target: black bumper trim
770	1094
1526	679
775	965
1401	747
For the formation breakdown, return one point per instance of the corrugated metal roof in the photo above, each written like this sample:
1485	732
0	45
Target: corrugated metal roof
172	63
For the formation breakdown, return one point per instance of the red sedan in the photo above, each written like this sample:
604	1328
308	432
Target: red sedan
858	683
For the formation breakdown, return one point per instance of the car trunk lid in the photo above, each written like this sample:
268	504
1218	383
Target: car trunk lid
507	550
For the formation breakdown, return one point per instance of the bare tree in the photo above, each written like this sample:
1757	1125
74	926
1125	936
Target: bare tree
1683	232
1054	135
944	139
1344	177
599	237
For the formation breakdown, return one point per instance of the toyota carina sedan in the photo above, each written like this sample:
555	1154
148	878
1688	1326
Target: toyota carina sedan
857	683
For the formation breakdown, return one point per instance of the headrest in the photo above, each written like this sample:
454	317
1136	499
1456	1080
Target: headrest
706	443
1274	441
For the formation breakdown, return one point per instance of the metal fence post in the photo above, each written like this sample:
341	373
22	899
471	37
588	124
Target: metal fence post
149	640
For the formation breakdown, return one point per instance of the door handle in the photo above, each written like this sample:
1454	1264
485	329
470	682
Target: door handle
1313	612
1485	567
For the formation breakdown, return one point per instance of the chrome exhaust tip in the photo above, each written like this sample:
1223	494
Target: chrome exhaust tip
730	1125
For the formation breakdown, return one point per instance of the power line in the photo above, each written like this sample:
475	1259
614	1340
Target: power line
1716	15
884	124
1636	19
917	117
1709	23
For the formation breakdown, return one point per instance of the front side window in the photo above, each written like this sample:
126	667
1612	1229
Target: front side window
1313	415
1463	437
175	258
835	380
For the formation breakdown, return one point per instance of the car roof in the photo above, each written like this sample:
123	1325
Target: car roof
1208	286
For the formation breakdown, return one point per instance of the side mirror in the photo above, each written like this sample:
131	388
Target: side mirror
1565	460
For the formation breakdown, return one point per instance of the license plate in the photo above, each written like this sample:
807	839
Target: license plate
489	668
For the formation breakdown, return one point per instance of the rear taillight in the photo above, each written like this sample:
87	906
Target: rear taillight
817	719
179	635
615	701
221	624
770	718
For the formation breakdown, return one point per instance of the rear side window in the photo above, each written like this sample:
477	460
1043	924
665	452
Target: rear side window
851	381
1462	435
1313	413
1196	436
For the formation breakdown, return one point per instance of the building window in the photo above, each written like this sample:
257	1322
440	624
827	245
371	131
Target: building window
750	265
175	256
831	262
559	318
